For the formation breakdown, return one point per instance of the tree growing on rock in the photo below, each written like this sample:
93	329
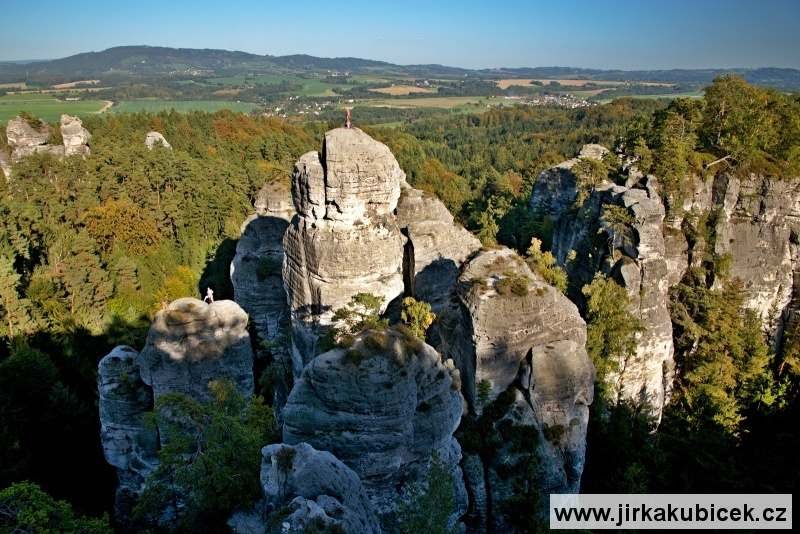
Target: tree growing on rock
544	263
427	506
417	316
210	459
611	328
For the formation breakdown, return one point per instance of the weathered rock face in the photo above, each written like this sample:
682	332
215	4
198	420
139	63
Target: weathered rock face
754	221
191	343
757	226
345	238
76	137
435	249
501	328
128	444
318	489
619	231
520	348
383	407
555	191
256	268
25	140
153	139
5	164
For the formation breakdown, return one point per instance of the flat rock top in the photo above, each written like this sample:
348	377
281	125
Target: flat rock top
19	133
191	329
274	199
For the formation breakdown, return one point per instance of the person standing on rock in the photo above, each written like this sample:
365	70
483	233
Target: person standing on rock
209	298
347	121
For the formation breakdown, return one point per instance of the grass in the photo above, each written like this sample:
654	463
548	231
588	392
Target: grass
46	107
401	90
663	96
310	86
155	105
444	102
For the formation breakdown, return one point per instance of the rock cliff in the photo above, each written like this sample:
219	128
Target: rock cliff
435	249
345	238
383	407
128	443
76	137
256	276
520	347
191	343
619	231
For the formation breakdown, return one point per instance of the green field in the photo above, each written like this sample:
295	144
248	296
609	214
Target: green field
667	96
309	86
153	105
45	107
445	102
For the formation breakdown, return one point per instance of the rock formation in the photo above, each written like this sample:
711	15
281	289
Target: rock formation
5	164
619	231
520	347
436	247
153	139
128	443
76	137
383	407
344	239
256	275
189	344
314	489
26	139
256	267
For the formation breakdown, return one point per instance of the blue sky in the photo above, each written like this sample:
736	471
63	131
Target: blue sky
627	34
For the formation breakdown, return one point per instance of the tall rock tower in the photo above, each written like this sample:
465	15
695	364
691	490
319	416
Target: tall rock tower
345	238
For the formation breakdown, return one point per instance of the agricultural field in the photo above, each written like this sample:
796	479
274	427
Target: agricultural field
402	90
444	102
662	96
154	105
46	106
309	86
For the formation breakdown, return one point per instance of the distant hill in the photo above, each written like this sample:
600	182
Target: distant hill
135	63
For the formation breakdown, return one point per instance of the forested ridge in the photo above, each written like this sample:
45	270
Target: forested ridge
91	248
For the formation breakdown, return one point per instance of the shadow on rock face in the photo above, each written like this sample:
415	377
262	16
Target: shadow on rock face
216	273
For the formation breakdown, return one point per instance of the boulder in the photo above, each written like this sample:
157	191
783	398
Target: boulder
345	238
305	487
76	137
128	443
153	139
383	407
191	343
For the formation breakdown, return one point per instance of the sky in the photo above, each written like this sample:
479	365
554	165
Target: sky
619	34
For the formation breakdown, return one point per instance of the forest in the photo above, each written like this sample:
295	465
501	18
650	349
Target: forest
91	248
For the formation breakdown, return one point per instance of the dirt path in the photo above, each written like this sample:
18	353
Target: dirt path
106	106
